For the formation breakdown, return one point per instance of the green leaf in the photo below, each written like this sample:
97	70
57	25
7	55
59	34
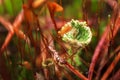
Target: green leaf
17	5
1	9
8	7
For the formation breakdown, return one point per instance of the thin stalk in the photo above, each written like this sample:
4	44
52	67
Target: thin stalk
104	41
75	71
111	67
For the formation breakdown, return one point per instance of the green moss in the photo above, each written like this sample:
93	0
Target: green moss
80	34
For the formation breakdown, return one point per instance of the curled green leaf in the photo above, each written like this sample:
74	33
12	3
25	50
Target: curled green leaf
78	34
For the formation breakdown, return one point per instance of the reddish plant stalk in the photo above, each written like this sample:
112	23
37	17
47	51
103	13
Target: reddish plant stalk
58	71
54	7
53	20
111	67
6	42
104	41
60	60
6	24
96	53
76	72
106	61
116	76
11	28
69	77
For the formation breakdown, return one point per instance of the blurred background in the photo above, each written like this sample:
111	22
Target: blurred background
22	60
